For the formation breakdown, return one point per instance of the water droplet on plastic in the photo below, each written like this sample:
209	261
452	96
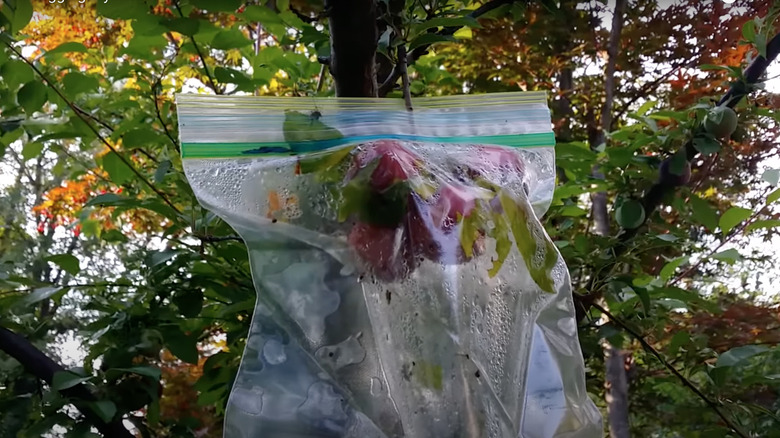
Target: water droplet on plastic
273	352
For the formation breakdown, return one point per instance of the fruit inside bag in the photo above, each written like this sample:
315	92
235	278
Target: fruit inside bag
406	287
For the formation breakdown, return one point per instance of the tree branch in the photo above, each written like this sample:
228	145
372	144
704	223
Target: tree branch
414	55
212	84
43	367
690	385
666	186
94	130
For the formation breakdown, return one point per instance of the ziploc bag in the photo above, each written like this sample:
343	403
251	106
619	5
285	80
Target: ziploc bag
405	286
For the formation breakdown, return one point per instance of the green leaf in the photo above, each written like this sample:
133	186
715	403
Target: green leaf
114	236
300	130
500	233
706	144
233	76
733	217
678	340
647	106
67	379
16	72
17	12
739	354
325	165
118	170
162	170
67	262
32	150
32	96
69	47
261	14
107	200
104	409
189	302
749	31
773	197
183	25
147	371
772	176
729	256
428	39
141	137
456	22
230	39
630	214
38	295
429	375
181	345
757	225
531	240
704	213
122	10
76	83
668	270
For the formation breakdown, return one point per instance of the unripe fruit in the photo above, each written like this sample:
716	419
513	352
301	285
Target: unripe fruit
721	122
667	176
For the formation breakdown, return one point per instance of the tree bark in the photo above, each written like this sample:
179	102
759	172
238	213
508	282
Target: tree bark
43	367
616	392
353	42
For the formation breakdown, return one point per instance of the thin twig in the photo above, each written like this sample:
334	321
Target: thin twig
685	381
212	84
404	76
214	239
155	96
321	79
94	130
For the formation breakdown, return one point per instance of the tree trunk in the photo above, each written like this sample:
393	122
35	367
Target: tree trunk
353	44
616	392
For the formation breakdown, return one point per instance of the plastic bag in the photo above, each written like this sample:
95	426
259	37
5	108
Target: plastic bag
406	287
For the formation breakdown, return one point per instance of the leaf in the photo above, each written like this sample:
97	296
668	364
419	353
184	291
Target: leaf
773	197
32	96
325	165
456	22
427	39
147	371
76	83
739	354
18	13
500	233
106	200
32	150
114	236
678	340
189	302
647	106
667	237
67	262
706	144
38	295
303	132
729	256
181	345
668	270
230	39
749	31
704	213
162	170
104	409
732	217
141	137
531	240
757	225
772	176
118	170
183	25
16	72
630	214
67	379
69	47
261	14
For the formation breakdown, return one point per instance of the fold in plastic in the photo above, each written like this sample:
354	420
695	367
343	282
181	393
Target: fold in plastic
405	286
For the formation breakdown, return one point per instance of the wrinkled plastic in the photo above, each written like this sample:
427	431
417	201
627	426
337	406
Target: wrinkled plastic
406	287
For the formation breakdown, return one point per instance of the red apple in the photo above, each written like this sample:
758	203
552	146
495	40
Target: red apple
435	226
396	163
387	254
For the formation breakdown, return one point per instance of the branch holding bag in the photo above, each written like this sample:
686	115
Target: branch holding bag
406	287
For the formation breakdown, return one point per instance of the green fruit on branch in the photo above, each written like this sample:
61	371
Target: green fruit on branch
721	122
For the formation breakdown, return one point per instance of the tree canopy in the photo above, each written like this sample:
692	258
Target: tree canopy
125	305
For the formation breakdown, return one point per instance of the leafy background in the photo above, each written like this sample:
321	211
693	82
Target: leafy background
112	268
